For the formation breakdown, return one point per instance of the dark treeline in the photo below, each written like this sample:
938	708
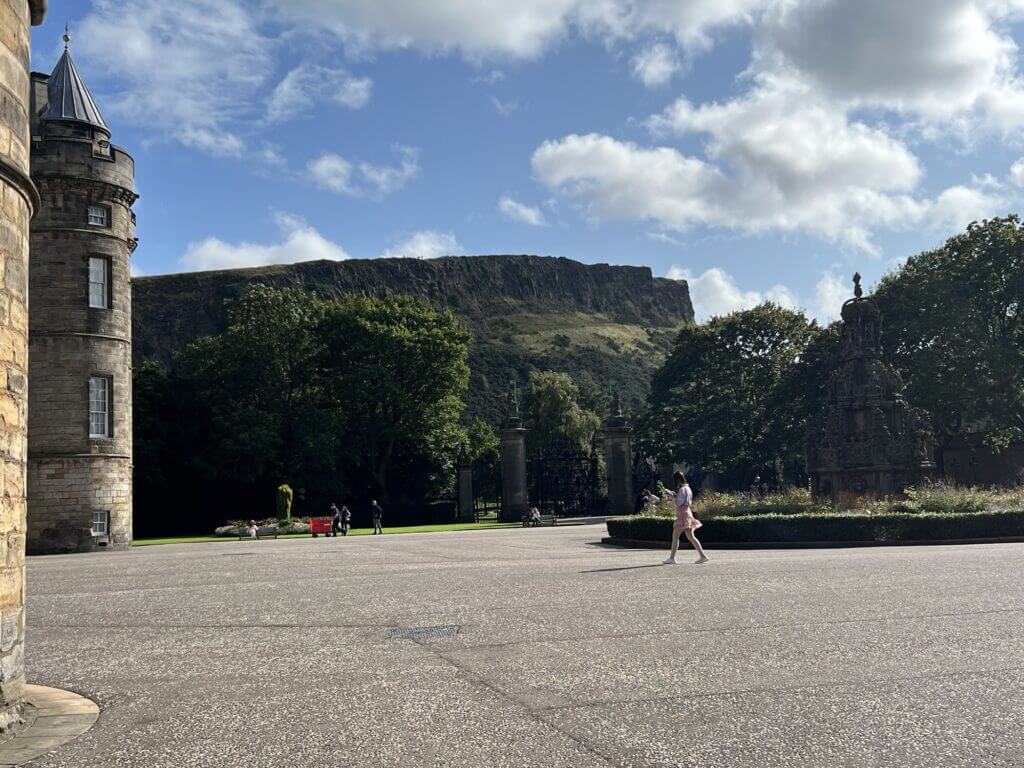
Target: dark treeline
735	393
345	401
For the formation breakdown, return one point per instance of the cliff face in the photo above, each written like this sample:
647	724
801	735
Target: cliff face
526	312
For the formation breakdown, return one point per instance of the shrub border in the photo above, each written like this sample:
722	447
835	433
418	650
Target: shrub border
834	530
643	544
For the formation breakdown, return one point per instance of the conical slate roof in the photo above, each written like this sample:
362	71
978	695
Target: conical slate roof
68	97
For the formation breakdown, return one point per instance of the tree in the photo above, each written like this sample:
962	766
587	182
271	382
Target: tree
553	415
396	373
339	400
720	399
953	324
260	384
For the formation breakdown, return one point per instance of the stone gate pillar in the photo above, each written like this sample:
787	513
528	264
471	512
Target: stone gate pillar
465	486
513	470
19	201
618	462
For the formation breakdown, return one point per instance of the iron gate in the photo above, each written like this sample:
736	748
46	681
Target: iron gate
567	482
645	477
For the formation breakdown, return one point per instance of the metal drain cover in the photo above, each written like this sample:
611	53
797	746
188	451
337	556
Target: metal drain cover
422	633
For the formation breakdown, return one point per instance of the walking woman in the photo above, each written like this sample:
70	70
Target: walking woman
685	521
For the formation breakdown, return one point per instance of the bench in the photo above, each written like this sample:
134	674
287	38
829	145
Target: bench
262	532
544	520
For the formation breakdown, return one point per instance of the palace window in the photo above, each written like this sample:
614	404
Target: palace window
99	282
99	216
100	523
99	406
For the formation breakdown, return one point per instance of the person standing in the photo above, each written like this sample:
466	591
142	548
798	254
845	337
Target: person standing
378	517
685	521
337	522
346	520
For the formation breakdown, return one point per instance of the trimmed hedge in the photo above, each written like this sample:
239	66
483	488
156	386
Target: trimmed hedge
832	527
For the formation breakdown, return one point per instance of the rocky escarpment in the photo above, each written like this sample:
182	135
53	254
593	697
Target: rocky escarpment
594	320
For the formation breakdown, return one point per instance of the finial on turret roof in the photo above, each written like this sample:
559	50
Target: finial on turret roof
67	36
857	290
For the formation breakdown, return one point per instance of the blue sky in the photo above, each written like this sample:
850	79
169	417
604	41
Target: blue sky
760	148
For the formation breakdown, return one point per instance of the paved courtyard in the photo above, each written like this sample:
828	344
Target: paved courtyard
269	654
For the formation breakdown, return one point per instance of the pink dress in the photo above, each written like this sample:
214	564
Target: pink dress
684	511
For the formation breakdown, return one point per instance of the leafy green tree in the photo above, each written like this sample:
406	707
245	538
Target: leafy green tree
481	443
395	374
719	402
553	415
953	323
260	382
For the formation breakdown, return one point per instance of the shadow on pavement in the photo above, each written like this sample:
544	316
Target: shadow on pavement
624	568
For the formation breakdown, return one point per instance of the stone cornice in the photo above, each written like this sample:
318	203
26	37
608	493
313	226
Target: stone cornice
131	242
38	11
115	192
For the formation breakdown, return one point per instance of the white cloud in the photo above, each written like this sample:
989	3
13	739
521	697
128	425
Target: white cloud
715	292
336	174
777	158
490	78
664	237
188	69
305	85
523	29
1017	173
427	244
524	214
504	108
935	59
830	293
656	65
301	243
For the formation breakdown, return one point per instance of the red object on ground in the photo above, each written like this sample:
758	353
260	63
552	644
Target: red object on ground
319	525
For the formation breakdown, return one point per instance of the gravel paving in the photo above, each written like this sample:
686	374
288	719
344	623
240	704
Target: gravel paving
569	653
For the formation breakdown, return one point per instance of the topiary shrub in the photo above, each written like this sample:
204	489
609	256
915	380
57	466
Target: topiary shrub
284	503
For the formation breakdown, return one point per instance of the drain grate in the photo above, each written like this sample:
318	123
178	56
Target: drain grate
423	633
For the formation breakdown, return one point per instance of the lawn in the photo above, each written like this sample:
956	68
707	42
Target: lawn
354	532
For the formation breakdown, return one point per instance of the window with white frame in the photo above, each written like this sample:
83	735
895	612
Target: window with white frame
99	282
99	216
99	406
100	523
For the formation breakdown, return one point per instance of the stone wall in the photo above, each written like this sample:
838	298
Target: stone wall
17	202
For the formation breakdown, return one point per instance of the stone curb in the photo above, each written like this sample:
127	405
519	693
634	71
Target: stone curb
641	544
54	717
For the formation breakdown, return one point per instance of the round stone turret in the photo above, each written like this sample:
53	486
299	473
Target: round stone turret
80	427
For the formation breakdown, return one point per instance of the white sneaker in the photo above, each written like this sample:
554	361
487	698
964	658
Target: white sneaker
669	561
701	560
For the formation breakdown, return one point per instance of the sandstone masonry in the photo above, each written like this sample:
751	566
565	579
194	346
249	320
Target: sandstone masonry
18	202
80	426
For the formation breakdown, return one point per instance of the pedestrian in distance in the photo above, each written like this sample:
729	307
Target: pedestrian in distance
346	520
378	517
337	521
685	521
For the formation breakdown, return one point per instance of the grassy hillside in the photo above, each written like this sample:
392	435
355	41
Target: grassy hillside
596	322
